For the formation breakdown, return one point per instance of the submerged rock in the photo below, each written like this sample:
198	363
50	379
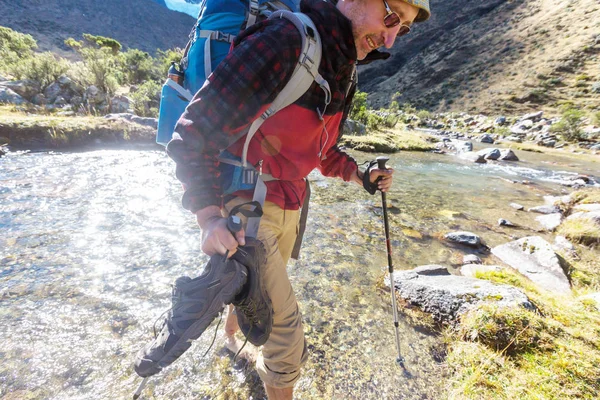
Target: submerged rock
517	206
474	157
446	297
534	257
544	209
464	238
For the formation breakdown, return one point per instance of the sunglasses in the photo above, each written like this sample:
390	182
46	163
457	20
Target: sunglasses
392	19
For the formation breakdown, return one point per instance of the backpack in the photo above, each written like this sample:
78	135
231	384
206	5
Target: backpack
210	41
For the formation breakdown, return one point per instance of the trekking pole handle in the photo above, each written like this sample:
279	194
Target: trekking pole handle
234	224
381	160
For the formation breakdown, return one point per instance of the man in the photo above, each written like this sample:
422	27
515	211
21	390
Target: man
288	146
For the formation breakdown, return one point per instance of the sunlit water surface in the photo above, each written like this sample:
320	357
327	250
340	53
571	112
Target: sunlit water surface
90	243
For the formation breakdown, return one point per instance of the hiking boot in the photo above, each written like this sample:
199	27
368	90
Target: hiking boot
195	304
253	305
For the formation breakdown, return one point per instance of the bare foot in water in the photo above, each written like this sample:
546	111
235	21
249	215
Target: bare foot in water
249	352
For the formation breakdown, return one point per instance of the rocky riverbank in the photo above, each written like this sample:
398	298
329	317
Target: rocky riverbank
531	301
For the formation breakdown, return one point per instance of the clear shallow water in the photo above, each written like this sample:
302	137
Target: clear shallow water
90	242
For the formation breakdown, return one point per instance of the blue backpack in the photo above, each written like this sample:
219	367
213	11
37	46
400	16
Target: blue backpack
218	23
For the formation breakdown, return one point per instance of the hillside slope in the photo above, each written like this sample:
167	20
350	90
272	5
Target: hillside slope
495	56
141	24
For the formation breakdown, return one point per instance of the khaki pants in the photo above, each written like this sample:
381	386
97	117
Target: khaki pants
283	355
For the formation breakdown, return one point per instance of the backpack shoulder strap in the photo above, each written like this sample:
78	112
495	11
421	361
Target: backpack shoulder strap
306	71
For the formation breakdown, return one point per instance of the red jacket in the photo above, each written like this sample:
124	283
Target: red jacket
291	143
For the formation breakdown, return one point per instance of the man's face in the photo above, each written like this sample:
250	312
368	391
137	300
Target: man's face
368	28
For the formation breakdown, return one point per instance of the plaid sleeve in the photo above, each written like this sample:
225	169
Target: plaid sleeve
241	87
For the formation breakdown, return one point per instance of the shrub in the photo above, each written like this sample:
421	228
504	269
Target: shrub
146	99
14	47
100	69
423	115
569	127
103	42
45	68
165	58
138	66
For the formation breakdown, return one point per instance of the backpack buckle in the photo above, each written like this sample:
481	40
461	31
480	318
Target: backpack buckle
224	37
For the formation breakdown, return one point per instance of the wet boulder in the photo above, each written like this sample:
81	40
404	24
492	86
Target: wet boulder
508	155
446	297
464	238
505	222
534	257
490	153
486	138
471	259
473	157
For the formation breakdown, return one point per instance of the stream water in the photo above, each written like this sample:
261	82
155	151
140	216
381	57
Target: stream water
90	243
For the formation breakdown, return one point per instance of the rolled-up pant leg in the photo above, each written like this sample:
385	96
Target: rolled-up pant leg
283	355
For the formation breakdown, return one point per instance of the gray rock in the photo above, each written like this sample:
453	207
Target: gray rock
517	206
533	257
562	244
549	221
486	138
587	207
39	99
500	120
534	117
26	88
151	122
471	270
593	216
595	147
60	101
555	200
490	154
52	92
505	222
354	128
120	104
464	238
447	297
431	269
508	155
471	259
473	157
10	96
94	96
514	139
544	209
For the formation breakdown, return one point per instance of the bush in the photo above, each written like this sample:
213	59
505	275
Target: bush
146	99
14	47
103	42
569	127
45	68
165	58
138	66
100	69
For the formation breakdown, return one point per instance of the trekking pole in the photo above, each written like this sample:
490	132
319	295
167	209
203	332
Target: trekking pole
138	392
381	165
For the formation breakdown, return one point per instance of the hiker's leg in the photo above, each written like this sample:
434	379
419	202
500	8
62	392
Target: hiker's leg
279	394
231	324
283	355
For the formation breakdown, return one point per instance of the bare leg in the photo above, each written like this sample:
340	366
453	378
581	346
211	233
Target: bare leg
279	394
231	324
